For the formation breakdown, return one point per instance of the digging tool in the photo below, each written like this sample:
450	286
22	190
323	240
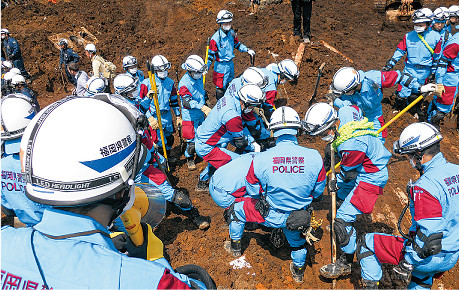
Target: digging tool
319	74
151	76
391	121
333	210
64	83
252	60
179	128
205	61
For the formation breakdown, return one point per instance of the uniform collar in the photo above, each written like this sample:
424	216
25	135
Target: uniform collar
287	138
57	222
437	160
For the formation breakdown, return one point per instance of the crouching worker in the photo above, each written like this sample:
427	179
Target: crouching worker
432	247
362	177
291	176
87	177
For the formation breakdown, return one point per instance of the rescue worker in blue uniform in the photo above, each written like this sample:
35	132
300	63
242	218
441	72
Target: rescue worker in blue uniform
282	182
13	52
66	56
221	49
453	21
362	177
277	74
225	191
17	111
223	125
131	67
420	47
447	74
364	89
431	247
84	201
167	99
194	110
19	86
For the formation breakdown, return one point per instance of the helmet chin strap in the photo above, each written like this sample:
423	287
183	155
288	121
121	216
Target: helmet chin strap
418	157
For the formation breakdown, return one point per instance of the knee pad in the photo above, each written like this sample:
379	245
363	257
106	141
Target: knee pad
342	236
219	93
190	149
170	141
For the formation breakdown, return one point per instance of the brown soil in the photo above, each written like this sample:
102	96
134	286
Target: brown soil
179	28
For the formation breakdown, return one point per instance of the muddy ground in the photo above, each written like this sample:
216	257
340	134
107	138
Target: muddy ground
179	28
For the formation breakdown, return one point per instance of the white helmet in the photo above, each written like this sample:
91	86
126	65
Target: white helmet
254	75
251	94
344	80
83	150
319	117
9	76
440	15
224	16
195	66
18	80
284	120
129	61
453	11
15	70
125	85
63	41
17	111
289	69
422	15
417	137
7	65
4	31
95	85
160	63
90	47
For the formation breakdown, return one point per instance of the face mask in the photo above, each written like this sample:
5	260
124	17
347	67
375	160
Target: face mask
329	138
3	36
162	74
132	71
196	75
247	110
419	29
226	27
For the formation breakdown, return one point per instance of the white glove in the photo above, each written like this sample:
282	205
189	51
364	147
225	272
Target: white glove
153	123
428	88
179	121
206	110
256	147
251	52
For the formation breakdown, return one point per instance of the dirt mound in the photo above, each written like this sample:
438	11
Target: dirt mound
179	28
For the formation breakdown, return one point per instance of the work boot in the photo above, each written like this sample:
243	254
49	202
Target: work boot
202	186
233	247
190	163
297	272
306	39
197	219
369	284
339	268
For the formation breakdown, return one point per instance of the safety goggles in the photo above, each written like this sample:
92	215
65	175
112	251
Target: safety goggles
162	67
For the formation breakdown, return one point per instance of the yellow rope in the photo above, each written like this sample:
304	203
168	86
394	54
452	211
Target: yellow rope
354	129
